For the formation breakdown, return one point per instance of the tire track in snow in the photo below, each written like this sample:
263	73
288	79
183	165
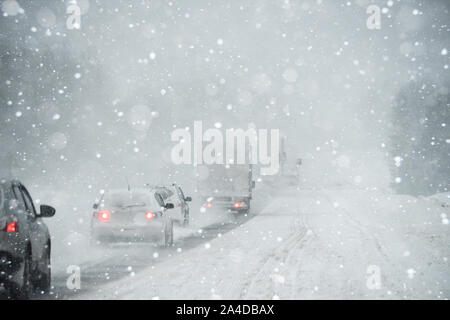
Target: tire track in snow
263	275
363	230
358	225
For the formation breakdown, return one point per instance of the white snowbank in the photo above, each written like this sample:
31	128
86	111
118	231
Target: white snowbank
443	198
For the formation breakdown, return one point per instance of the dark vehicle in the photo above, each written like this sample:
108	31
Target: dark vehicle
24	242
138	215
175	195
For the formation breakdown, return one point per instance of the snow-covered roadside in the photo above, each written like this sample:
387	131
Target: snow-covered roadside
310	245
442	198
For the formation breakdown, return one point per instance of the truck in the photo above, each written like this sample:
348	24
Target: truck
226	187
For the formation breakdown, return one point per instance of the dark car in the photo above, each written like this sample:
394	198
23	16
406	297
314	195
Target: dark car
24	242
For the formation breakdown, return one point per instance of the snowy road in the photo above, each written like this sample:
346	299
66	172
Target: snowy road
302	245
308	244
123	260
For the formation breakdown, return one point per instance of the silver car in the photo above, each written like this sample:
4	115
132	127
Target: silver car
25	243
138	215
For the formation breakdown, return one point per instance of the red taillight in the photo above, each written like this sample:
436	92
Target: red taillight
207	205
238	205
149	215
104	216
12	227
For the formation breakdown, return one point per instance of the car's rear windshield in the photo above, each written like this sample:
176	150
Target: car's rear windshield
128	200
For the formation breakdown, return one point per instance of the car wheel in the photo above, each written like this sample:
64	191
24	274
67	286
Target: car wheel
168	234
186	219
45	278
24	292
95	240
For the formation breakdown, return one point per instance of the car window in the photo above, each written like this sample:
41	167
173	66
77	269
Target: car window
164	192
127	199
28	202
2	200
18	201
180	192
159	199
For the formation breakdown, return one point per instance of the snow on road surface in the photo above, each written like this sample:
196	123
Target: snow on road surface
330	244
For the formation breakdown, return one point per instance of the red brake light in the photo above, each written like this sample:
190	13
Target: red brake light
238	205
12	227
207	205
149	215
104	216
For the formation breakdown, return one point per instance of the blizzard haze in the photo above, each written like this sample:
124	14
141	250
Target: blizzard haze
93	109
102	101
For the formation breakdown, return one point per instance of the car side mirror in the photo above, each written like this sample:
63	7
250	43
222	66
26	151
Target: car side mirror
188	199
47	211
169	206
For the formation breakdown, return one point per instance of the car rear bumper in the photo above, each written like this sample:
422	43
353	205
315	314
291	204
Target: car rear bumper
232	209
228	205
153	231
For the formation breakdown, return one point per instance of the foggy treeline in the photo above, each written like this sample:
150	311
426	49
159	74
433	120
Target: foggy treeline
420	138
